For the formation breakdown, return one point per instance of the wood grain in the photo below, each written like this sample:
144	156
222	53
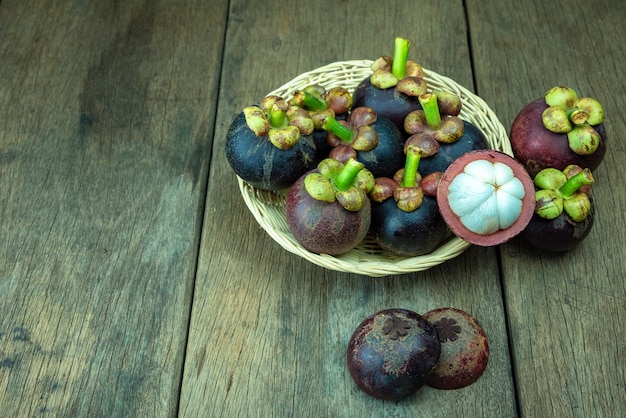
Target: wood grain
269	331
566	316
106	111
134	281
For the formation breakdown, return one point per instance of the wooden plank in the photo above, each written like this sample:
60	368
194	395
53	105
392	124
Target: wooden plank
568	345
106	110
269	330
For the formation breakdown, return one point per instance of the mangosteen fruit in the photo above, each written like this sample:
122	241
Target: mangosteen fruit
558	130
394	85
486	197
439	118
405	220
321	103
392	353
464	349
327	209
270	145
564	210
373	140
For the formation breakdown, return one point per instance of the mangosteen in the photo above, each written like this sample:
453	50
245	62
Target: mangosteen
564	210
464	349
440	119
393	87
327	209
405	220
321	103
270	145
486	197
392	353
558	130
373	140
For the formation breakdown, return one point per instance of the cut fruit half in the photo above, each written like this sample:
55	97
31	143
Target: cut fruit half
486	197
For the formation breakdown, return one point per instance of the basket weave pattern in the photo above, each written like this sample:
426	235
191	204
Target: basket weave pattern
368	258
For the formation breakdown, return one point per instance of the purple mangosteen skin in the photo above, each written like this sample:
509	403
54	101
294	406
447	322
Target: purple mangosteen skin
408	234
321	227
537	148
388	103
260	163
559	234
392	368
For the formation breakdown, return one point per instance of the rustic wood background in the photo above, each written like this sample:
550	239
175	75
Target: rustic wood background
134	282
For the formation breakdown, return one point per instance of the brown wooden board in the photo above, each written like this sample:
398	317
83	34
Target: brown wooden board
269	330
565	310
106	114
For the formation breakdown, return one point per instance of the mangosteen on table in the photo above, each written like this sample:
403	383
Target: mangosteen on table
327	209
393	87
439	118
558	130
321	103
405	219
486	197
365	136
564	210
270	145
392	353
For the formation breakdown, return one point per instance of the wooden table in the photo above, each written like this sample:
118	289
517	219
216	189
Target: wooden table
135	282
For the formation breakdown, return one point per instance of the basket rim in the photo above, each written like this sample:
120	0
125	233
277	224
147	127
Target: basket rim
266	206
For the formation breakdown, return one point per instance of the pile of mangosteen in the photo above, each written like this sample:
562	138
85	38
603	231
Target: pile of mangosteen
396	161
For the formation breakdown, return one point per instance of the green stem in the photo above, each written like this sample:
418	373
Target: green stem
431	110
277	117
577	116
571	186
312	102
348	173
341	131
400	56
413	157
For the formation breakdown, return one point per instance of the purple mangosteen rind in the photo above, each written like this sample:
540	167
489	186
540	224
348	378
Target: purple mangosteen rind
408	234
521	179
559	234
464	349
536	147
261	164
405	221
326	226
392	353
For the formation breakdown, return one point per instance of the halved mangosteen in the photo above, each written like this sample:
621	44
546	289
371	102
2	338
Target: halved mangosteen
486	197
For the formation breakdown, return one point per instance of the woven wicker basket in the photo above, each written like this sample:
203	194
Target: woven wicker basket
368	258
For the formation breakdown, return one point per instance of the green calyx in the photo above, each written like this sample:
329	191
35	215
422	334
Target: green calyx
281	123
346	183
565	190
405	75
574	116
409	195
438	117
315	98
357	132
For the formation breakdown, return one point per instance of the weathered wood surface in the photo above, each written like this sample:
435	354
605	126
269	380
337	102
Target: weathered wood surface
134	282
106	115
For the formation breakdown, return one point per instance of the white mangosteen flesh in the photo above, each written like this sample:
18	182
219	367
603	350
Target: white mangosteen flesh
486	196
